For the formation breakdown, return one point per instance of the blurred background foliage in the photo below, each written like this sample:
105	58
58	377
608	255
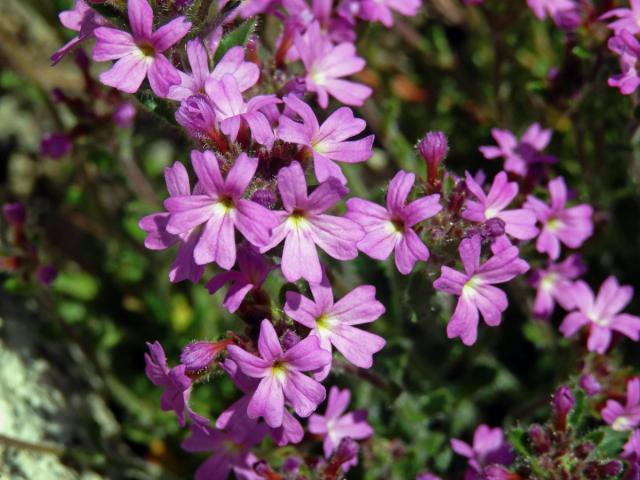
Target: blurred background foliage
458	69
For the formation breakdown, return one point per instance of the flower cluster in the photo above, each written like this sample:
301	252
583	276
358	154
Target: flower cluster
267	201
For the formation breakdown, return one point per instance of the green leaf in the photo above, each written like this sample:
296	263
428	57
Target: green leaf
157	105
611	443
576	417
239	36
518	437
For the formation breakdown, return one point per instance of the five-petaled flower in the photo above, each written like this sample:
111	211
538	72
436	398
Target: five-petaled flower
475	287
281	376
327	143
625	417
555	284
141	52
571	226
518	223
392	228
218	204
489	447
333	322
303	225
601	314
335	424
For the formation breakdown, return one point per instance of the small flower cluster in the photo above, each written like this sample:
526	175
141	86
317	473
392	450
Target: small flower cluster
624	44
265	203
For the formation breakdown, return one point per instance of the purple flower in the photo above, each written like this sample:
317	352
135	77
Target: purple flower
590	385
475	288
433	149
232	111
627	47
246	74
198	356
333	322
381	10
46	274
124	114
253	269
55	145
184	266
229	454
175	384
392	228
571	226
303	225
301	15
519	223
82	19
198	116
602	314
627	18
625	417
555	284
326	64
327	143
281	375
15	213
235	418
221	209
631	449
336	425
521	154
552	7
140	53
489	447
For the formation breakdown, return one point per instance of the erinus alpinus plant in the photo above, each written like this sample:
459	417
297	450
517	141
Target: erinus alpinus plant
379	239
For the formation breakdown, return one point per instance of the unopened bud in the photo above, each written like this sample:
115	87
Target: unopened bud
493	228
433	148
15	213
198	356
590	385
563	402
264	197
290	339
539	438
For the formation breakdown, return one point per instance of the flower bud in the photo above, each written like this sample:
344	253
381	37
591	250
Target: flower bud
55	145
583	450
198	356
264	197
124	114
493	228
46	274
347	450
590	385
433	148
15	213
563	402
290	339
539	438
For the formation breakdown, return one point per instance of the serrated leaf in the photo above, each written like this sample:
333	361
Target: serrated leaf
160	107
611	443
238	37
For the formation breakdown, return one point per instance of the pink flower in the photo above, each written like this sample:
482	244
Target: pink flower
631	449
489	447
253	269
235	419
219	206
520	155
140	53
381	10
233	113
326	64
335	424
246	74
158	238
392	228
555	284
571	226
303	225
228	453
475	287
281	376
627	18
601	314
327	143
175	384
82	19
519	223
551	7
626	417
627	47
333	322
